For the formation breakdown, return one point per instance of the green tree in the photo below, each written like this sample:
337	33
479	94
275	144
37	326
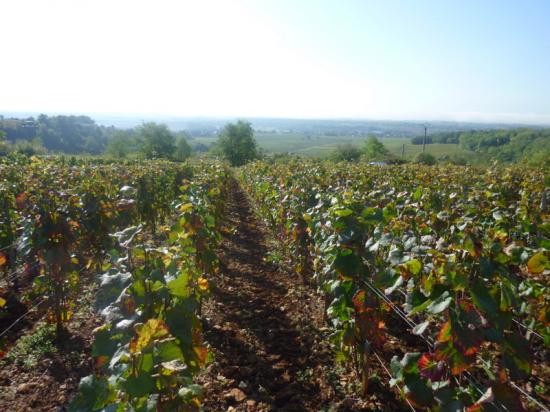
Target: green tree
4	146
120	144
540	158
237	143
156	140
374	149
346	152
183	150
426	159
29	148
93	145
66	134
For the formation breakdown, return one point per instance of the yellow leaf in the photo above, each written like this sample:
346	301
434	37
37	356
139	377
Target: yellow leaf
167	259
2	302
537	263
3	259
66	316
203	283
147	333
202	354
184	208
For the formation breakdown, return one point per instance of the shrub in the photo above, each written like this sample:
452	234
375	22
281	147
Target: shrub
425	159
346	152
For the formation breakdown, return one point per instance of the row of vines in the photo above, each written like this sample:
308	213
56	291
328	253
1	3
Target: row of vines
451	262
148	230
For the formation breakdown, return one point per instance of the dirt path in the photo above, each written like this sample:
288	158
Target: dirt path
263	327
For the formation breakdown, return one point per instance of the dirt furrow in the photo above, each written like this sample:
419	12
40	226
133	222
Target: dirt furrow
263	327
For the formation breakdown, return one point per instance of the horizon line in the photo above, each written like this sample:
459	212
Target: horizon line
405	119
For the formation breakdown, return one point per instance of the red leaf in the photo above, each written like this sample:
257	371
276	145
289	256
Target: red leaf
21	200
430	368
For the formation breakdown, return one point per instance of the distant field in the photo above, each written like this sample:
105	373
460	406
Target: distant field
438	149
321	146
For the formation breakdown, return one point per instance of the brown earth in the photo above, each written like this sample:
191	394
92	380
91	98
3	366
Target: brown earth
51	383
266	332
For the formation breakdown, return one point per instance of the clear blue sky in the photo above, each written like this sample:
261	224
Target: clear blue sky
454	60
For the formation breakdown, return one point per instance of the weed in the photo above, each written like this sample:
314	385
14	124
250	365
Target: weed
34	346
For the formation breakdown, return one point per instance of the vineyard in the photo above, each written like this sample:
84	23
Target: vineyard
438	274
420	288
149	232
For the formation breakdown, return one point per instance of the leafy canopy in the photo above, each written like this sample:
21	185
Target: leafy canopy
426	159
237	143
346	152
374	149
183	150
120	144
157	141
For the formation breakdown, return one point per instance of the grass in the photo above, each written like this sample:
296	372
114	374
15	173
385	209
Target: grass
437	149
322	146
34	346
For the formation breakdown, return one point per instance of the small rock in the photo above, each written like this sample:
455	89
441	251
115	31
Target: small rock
274	358
25	387
235	394
242	385
286	376
46	363
262	390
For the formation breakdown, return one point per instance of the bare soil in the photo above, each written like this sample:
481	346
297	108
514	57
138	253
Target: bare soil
53	381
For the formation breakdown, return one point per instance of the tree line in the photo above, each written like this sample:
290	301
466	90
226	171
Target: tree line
531	145
67	134
81	135
236	142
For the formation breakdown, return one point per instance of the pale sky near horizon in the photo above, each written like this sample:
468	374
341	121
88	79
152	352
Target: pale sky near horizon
425	59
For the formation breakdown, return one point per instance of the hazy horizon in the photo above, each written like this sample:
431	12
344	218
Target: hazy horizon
101	118
356	60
